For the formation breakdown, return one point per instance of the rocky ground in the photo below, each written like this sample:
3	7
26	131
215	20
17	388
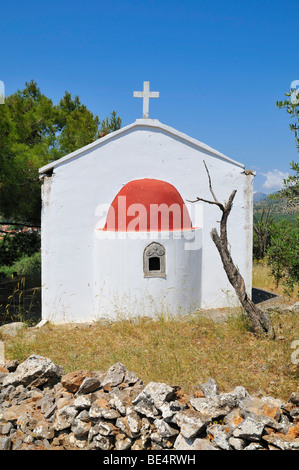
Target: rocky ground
41	408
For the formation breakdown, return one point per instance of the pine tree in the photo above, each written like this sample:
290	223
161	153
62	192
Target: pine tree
34	132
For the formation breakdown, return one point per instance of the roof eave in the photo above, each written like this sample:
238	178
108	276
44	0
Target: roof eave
155	123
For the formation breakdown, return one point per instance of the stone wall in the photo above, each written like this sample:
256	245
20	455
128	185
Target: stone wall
42	408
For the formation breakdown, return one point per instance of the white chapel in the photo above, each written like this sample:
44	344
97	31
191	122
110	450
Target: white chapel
120	238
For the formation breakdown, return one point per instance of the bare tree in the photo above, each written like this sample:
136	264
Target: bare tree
259	320
262	229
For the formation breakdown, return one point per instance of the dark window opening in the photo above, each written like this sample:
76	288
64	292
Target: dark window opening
154	260
154	264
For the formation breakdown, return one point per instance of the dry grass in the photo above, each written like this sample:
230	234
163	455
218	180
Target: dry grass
184	352
261	277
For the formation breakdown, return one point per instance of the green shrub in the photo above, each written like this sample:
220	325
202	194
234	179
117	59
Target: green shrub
27	266
14	247
283	255
6	272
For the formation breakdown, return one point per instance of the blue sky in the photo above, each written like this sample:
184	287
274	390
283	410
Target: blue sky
220	67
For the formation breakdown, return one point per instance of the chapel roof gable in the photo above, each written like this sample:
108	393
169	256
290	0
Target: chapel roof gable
154	124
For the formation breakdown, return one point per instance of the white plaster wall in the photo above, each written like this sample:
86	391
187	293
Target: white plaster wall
69	216
125	292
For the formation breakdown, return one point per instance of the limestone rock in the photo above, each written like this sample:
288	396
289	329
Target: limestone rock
164	429
133	420
234	398
80	428
152	398
219	436
79	412
82	402
123	425
233	419
266	410
106	428
64	417
209	407
282	442
249	429
101	409
43	431
294	398
236	443
254	446
36	371
11	329
114	376
120	399
5	443
170	409
89	385
182	443
122	442
210	389
103	442
47	405
72	381
191	422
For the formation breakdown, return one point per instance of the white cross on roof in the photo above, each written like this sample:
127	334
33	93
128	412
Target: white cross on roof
146	94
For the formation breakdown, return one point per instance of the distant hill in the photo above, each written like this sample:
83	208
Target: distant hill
258	196
279	208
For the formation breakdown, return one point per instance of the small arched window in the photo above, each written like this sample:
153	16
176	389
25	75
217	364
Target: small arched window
154	260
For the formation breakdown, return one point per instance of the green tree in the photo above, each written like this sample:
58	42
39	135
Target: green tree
77	125
291	184
12	248
110	125
283	255
27	122
34	132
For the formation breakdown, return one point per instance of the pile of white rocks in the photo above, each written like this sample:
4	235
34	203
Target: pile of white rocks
43	408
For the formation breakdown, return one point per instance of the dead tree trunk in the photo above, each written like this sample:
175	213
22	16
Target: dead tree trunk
259	320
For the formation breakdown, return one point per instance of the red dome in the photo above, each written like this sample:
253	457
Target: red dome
148	205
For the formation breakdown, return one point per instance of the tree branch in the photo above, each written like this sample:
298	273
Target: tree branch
210	186
259	320
204	200
19	224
